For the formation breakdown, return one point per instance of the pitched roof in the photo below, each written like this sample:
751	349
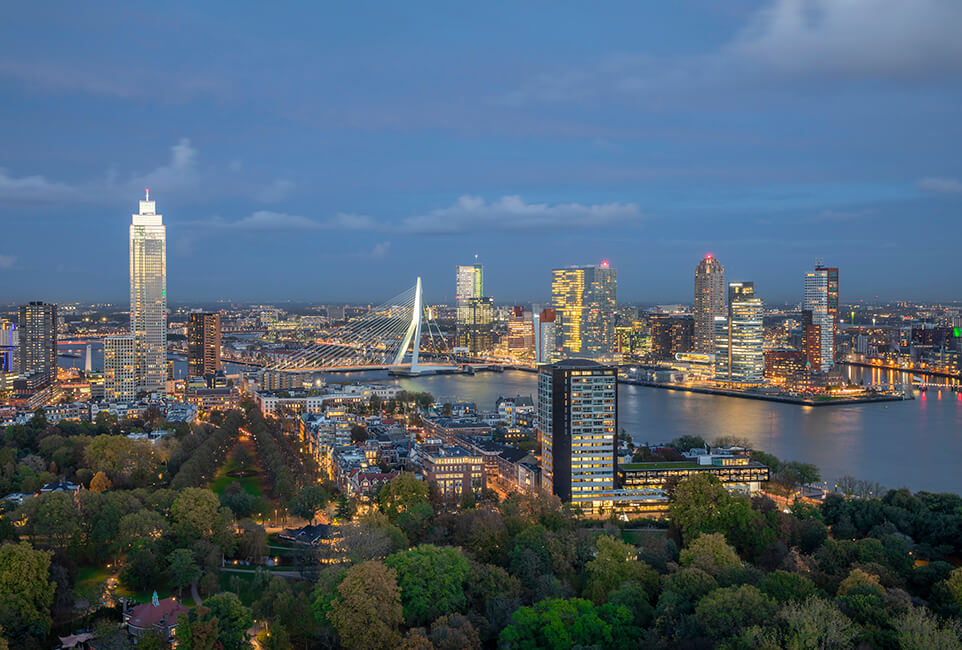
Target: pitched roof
164	613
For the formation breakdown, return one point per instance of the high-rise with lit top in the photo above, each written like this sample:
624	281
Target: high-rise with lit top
817	313
148	297
709	302
584	299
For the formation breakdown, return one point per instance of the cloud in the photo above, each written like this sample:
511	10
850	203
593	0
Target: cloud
32	189
879	39
785	42
512	213
181	172
276	191
269	220
7	261
940	185
380	249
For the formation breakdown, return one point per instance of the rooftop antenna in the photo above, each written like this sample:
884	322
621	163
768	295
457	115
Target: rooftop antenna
818	262
147	192
475	258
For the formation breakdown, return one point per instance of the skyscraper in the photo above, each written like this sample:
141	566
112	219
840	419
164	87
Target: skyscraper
709	302
819	319
833	308
584	299
476	325
544	331
203	343
739	337
8	347
577	421
148	297
37	351
470	283
120	368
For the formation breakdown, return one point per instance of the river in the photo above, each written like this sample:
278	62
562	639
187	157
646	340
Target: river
915	443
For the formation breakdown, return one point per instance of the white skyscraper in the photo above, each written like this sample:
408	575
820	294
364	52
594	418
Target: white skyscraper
148	297
817	303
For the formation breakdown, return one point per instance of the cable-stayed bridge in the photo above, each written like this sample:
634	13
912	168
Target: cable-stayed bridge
388	336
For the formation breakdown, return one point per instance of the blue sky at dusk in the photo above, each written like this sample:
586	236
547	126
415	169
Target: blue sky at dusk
333	152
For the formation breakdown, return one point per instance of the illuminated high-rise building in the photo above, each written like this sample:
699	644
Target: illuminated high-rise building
37	348
476	325
833	308
470	283
709	302
545	342
148	297
577	421
520	331
8	346
203	343
584	299
739	337
818	317
120	368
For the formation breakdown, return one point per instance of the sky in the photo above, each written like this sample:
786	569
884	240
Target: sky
336	151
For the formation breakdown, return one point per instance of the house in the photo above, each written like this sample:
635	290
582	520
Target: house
157	615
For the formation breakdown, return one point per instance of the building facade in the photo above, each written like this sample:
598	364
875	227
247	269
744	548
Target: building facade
584	299
816	311
120	368
577	422
671	334
709	302
37	351
469	282
739	338
148	297
476	325
203	343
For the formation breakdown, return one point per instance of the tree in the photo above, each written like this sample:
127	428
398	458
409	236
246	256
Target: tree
454	632
687	443
728	610
139	526
615	563
691	583
953	586
918	630
401	493
100	482
367	612
358	433
431	580
561	624
710	553
815	623
26	593
308	501
53	517
196	515
785	587
233	620
181	569
253	540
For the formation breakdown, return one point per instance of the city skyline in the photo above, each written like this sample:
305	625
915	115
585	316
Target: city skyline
728	131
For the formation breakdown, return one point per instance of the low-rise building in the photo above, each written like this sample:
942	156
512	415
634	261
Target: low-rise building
157	616
454	469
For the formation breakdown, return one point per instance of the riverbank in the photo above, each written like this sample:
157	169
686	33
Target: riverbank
768	397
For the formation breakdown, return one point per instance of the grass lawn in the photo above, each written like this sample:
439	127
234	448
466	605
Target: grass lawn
252	484
90	576
144	596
